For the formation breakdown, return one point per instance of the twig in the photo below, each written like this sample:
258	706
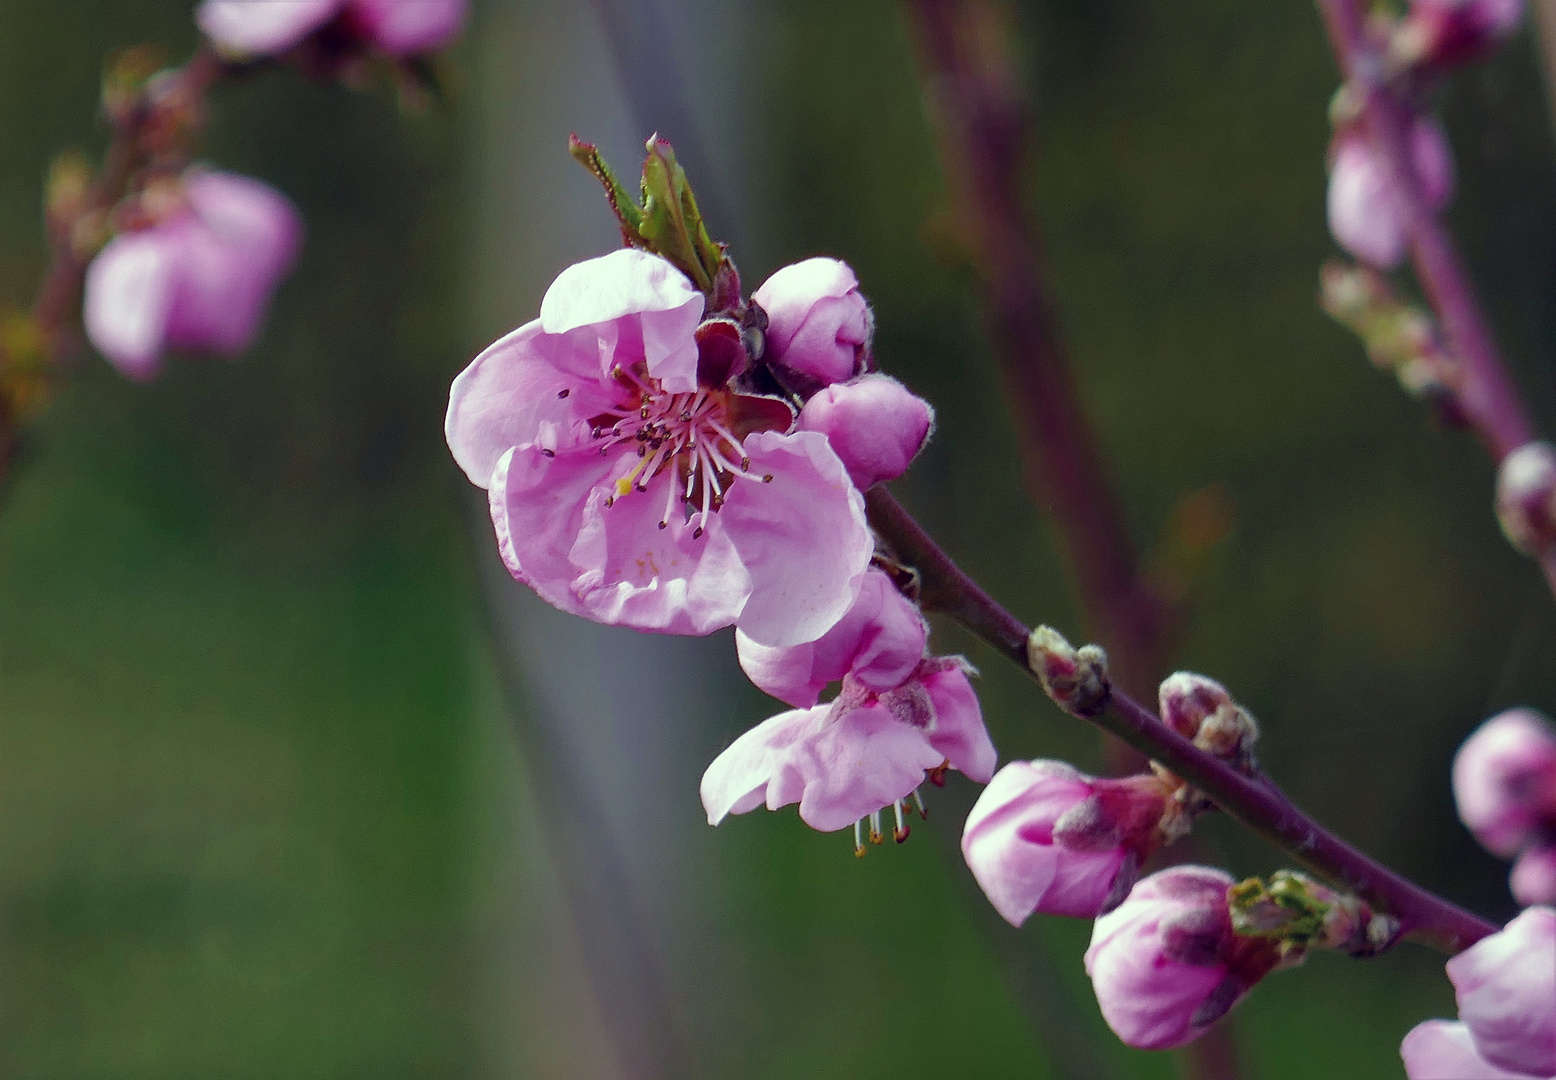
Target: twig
984	130
1254	801
1486	396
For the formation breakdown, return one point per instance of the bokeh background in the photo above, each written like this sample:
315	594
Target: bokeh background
294	782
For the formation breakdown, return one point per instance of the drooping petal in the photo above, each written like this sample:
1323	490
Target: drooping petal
527	387
497	504
802	538
737	780
637	300
958	733
879	641
1364	214
262	27
408	27
1444	1050
852	766
129	292
1009	845
1506	986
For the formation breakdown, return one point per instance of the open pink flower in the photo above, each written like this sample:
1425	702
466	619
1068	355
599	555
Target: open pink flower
1045	837
818	324
199	279
1366	212
630	483
267	27
849	760
1166	963
879	641
1504	781
1506	986
1445	1050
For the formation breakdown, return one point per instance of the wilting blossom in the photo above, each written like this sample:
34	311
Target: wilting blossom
1045	837
266	27
1504	781
879	642
1445	1050
631	483
847	761
1506	986
818	324
876	425
1166	963
1367	213
198	278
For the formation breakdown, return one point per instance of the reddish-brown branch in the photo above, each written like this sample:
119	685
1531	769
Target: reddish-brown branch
984	132
1254	801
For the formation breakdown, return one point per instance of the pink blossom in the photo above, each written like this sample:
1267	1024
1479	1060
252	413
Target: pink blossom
818	324
1366	213
1445	1050
1166	964
625	491
1045	837
1506	986
876	425
1504	781
1534	876
199	279
267	27
849	760
879	641
1445	32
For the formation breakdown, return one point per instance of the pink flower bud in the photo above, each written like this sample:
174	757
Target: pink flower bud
879	641
1166	963
1045	837
818	324
876	425
1534	876
267	27
1366	212
1186	699
1445	1050
1504	780
1526	497
1506	986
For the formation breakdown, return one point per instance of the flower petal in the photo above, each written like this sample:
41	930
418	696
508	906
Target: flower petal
129	292
262	27
854	765
802	537
737	780
958	733
1506	986
406	27
1444	1050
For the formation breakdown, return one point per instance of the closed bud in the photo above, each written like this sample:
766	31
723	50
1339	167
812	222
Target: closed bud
1166	963
1534	876
818	324
1504	781
876	425
1044	837
1076	679
1200	709
1367	211
1526	497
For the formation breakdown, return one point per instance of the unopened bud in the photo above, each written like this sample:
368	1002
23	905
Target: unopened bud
819	324
1200	709
1526	497
1077	679
1504	781
1298	913
876	425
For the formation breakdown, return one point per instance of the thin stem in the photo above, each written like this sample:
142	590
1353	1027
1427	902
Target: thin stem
1488	397
984	132
1254	801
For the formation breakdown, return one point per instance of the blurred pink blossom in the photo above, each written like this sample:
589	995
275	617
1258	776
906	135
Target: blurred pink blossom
1534	876
876	425
818	324
1504	781
849	760
1366	212
625	491
1045	837
1444	32
266	27
198	279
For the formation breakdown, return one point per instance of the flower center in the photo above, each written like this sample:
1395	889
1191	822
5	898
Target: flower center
685	435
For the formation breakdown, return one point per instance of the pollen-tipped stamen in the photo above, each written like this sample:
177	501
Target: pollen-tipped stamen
900	833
